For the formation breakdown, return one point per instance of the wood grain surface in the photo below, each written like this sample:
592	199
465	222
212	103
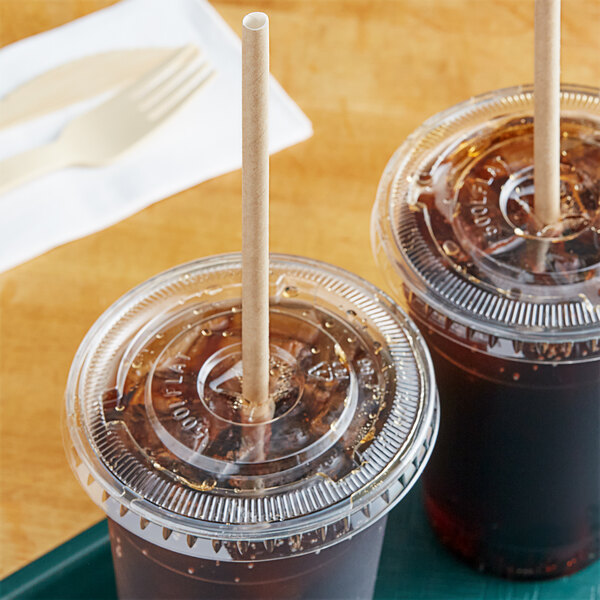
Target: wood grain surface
366	72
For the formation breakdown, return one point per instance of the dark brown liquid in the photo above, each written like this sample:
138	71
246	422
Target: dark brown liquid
346	571
513	485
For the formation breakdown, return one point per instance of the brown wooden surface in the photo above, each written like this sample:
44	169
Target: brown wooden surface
366	72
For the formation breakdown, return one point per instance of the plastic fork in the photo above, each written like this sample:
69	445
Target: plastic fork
100	136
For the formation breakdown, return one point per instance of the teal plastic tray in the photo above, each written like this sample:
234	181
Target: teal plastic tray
413	567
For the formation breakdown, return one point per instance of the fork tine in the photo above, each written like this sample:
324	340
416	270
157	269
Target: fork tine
150	80
171	84
174	101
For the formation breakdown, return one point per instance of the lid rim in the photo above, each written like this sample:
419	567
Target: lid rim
391	254
423	427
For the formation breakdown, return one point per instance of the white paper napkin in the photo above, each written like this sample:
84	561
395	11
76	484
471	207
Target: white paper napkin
202	141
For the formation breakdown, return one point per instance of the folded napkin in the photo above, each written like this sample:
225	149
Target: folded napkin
201	141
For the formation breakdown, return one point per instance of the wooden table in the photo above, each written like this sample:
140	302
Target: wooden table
366	72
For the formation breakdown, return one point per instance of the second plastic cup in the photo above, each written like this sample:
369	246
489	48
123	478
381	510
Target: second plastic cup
204	502
511	314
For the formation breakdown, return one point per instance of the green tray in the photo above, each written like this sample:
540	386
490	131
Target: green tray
413	567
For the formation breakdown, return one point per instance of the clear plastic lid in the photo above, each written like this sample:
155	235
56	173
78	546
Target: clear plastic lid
454	223
160	432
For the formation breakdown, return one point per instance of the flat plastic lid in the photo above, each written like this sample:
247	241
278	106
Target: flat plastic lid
157	419
455	218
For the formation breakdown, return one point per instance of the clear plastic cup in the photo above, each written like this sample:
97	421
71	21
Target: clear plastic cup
511	314
203	501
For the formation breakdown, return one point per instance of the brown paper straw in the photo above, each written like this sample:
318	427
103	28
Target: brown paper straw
255	216
546	143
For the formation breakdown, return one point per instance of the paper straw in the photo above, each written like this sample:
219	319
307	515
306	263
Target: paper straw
546	143
255	216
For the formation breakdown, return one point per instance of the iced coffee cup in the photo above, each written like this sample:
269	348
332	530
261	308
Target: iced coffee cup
204	501
511	314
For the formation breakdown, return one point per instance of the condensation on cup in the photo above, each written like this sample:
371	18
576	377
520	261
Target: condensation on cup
511	313
204	501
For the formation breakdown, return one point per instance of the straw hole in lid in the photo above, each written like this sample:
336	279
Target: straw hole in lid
166	533
216	544
191	540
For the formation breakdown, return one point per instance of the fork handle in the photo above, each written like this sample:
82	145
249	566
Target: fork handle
31	164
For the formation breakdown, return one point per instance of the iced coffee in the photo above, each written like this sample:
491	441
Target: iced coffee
510	310
205	499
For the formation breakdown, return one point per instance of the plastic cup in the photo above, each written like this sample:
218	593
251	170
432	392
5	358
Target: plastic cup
204	502
511	315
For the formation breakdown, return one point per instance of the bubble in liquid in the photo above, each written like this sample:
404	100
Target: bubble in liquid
314	350
251	565
191	570
376	348
450	247
290	291
227	333
425	178
328	324
119	552
516	376
205	332
236	579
